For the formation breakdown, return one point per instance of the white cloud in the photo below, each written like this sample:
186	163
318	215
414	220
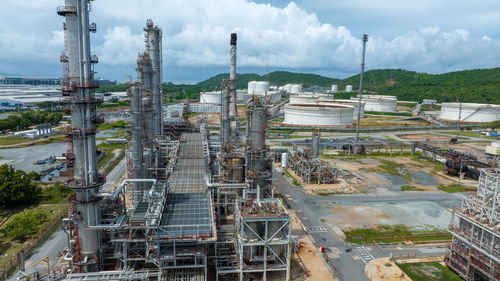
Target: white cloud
196	34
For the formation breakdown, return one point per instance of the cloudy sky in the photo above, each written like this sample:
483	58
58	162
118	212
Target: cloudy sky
314	36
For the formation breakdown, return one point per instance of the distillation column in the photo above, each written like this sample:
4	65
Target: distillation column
257	169
137	149
144	74
80	89
153	46
232	86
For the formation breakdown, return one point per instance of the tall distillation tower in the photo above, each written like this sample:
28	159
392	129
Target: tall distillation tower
153	45
79	92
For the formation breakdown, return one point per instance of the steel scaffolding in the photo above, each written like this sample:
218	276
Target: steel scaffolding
474	252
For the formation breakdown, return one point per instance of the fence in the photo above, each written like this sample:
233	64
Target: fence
31	245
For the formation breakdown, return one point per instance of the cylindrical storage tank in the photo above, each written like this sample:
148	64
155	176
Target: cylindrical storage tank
288	88
301	98
251	86
210	97
296	88
261	87
378	103
240	95
335	88
348	88
471	112
321	114
284	159
353	103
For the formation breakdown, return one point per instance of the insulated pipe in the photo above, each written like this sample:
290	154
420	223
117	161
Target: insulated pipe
122	185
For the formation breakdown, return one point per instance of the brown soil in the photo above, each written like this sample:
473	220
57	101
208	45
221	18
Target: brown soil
309	254
348	217
423	137
384	269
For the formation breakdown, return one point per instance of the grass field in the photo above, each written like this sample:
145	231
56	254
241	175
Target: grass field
395	233
9	247
13	140
453	188
432	271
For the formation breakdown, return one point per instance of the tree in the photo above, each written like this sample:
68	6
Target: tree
17	186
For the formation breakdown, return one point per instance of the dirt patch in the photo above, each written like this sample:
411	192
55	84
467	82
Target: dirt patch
341	187
383	269
423	137
348	217
308	254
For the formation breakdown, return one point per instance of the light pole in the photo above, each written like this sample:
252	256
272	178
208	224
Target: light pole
365	38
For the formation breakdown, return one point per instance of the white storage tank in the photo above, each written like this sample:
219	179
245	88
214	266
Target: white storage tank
352	103
348	88
288	88
471	112
309	97
296	88
252	86
335	88
379	103
240	95
320	114
210	97
284	159
261	87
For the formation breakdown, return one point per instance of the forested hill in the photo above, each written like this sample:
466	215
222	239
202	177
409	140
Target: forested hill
275	78
478	85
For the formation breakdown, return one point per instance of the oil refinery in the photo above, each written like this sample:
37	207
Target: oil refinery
281	180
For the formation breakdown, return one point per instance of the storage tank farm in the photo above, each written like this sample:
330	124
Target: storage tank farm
469	112
193	201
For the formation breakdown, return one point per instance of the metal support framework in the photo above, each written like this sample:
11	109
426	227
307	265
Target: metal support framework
474	252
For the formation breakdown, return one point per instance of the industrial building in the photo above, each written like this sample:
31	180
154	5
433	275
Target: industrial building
474	252
378	103
319	113
469	112
34	81
196	205
27	95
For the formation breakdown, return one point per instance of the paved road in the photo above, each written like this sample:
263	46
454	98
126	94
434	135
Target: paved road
348	259
51	248
113	177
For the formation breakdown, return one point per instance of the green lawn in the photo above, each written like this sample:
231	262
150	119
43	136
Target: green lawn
13	140
395	233
409	187
453	188
292	178
431	271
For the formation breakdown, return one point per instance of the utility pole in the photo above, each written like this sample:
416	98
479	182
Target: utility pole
459	114
365	38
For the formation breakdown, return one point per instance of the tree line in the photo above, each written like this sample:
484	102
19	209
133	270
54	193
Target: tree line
29	118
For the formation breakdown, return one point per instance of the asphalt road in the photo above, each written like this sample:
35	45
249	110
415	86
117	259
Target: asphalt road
51	248
348	260
59	241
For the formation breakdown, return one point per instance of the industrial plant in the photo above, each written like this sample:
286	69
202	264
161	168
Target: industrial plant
273	182
196	205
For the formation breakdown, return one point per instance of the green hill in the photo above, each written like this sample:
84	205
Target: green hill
478	85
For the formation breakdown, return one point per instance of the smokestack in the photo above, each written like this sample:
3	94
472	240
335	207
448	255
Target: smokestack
232	86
